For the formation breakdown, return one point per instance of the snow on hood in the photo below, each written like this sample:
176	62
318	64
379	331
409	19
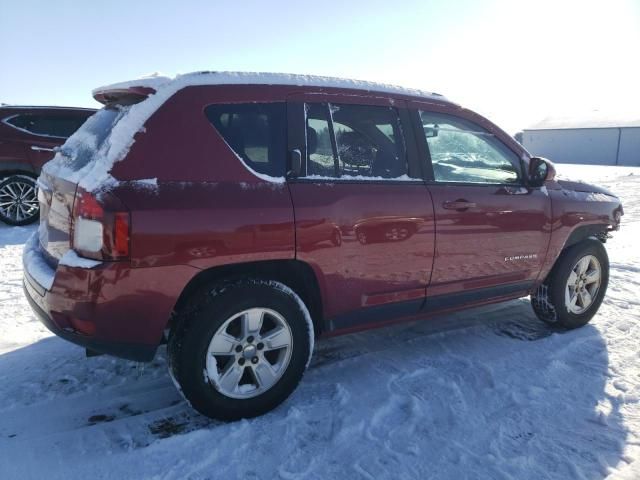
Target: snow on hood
95	175
583	187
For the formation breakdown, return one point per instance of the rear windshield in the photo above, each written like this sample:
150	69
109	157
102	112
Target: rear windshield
83	145
255	131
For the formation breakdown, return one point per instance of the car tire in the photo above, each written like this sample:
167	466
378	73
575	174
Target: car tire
575	287
336	238
223	352
19	200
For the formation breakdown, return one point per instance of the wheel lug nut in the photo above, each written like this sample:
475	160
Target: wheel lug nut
249	339
260	346
238	348
254	360
241	361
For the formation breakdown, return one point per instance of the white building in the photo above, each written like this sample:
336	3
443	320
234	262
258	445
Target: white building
594	138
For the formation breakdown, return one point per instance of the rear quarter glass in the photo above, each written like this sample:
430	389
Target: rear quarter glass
256	132
178	143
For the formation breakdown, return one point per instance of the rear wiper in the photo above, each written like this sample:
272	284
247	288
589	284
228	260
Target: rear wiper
65	152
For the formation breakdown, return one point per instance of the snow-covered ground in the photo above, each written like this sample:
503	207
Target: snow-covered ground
483	394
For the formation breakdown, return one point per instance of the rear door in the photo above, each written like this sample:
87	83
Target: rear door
492	231
364	218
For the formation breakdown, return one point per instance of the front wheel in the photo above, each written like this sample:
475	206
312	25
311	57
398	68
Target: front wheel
18	200
575	288
242	350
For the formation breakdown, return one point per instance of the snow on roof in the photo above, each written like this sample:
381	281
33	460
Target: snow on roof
96	174
592	119
156	81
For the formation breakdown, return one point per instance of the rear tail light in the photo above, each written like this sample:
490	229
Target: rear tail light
101	227
121	235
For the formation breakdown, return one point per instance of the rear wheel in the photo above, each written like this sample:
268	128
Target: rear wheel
575	288
242	350
336	238
18	200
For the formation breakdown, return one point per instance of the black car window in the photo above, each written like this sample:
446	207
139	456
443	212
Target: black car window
347	141
18	121
50	125
465	152
256	132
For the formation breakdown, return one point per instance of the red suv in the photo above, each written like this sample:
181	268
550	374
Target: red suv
28	136
239	216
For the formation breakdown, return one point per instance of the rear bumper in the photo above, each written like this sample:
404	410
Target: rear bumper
136	352
111	308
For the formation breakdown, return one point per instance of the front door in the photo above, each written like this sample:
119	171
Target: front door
492	232
364	218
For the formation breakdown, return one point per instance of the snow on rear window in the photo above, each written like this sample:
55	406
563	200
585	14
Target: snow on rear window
76	157
80	150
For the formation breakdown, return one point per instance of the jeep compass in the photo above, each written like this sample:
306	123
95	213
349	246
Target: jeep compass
239	216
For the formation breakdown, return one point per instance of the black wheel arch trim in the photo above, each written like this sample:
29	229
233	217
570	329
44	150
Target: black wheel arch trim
582	232
296	274
17	168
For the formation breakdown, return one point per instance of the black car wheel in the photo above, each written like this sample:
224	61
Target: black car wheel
575	288
241	349
19	200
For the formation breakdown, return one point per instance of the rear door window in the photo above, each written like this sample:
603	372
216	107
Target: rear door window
56	125
347	141
256	132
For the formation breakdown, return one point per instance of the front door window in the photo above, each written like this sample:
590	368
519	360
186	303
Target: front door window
463	152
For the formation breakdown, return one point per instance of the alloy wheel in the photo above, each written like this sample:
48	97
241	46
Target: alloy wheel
19	200
249	353
583	284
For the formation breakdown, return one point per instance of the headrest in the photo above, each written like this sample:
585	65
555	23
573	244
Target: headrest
312	140
235	138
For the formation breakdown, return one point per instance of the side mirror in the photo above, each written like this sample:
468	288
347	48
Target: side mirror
431	131
540	170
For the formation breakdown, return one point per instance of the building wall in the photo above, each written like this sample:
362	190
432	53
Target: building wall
629	147
594	146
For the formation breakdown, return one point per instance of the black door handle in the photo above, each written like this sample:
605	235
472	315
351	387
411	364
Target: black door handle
459	205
